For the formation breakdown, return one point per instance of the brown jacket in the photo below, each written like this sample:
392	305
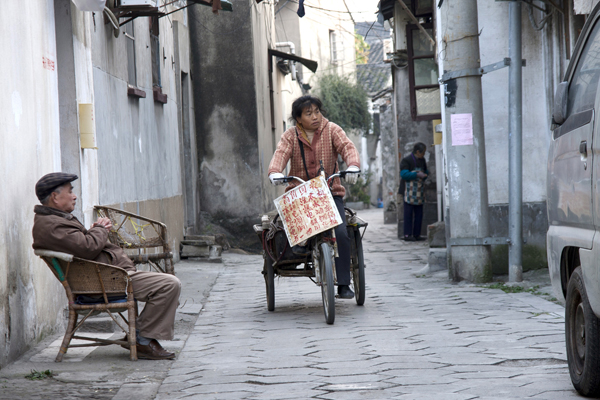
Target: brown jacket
60	231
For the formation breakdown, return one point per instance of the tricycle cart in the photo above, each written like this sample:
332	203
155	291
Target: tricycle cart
317	263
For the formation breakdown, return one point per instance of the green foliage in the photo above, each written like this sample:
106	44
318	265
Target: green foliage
37	375
359	192
345	102
362	49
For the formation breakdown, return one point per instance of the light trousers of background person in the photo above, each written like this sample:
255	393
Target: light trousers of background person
413	227
342	263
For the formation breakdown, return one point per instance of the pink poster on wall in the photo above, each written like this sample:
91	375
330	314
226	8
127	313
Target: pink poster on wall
462	129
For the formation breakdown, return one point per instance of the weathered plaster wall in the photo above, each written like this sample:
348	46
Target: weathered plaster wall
411	132
311	37
232	115
493	43
139	153
31	299
389	158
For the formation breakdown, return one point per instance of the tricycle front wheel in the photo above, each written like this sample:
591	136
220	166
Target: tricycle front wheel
270	283
327	285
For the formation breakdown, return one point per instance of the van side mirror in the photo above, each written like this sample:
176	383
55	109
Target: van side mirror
561	98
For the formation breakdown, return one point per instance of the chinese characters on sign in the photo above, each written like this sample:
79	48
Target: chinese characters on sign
306	210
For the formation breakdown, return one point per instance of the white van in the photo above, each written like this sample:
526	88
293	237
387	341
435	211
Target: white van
573	195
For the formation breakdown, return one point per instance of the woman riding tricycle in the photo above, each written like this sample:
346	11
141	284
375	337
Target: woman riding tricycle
312	146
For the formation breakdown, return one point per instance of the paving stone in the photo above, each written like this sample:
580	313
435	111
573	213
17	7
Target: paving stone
415	338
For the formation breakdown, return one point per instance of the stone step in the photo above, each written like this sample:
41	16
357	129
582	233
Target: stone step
211	253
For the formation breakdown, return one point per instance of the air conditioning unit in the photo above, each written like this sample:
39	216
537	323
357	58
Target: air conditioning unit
137	3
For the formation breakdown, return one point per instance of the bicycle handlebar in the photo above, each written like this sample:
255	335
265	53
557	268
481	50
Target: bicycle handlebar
288	179
341	174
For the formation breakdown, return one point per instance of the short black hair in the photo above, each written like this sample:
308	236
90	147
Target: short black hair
302	103
419	147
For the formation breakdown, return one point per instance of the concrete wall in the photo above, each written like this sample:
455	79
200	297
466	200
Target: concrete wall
537	101
545	54
389	158
56	58
31	299
234	135
140	156
310	34
411	132
493	23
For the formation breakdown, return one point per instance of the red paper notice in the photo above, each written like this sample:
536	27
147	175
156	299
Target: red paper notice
306	210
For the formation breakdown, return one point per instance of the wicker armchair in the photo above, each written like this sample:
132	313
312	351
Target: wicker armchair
132	231
92	288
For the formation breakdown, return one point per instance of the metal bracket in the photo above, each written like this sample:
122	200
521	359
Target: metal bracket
477	71
479	241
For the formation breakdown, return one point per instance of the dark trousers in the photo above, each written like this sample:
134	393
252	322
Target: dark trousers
411	229
342	263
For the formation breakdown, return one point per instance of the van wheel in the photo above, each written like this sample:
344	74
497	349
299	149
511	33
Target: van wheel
582	331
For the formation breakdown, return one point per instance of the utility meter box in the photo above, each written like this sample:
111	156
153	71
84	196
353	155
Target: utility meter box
137	3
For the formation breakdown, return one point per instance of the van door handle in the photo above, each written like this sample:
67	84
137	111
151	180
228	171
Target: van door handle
583	147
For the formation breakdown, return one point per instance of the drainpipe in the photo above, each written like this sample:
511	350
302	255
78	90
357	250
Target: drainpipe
515	145
293	51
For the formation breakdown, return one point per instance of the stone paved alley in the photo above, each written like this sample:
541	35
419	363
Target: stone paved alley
418	336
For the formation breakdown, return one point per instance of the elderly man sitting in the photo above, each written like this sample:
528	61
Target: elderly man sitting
55	228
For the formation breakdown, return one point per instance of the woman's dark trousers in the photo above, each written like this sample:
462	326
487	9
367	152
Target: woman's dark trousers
342	263
410	228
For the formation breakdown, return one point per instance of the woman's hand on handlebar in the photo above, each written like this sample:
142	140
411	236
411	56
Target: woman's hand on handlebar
352	174
277	178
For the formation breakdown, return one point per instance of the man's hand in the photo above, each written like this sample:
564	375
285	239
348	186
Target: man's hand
103	222
352	177
277	175
421	174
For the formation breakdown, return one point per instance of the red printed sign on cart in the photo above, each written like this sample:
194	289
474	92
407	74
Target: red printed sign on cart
307	209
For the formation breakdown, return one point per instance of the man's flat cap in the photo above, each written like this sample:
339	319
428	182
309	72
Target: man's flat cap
49	182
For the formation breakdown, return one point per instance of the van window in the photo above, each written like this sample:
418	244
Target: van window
582	91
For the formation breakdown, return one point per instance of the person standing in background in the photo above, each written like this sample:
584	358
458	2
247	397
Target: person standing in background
413	170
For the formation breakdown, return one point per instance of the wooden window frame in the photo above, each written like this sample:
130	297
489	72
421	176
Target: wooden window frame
411	76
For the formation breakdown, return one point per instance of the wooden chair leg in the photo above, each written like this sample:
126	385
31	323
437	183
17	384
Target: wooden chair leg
68	335
131	316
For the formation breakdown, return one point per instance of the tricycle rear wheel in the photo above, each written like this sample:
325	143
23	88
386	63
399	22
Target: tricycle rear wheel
327	285
270	283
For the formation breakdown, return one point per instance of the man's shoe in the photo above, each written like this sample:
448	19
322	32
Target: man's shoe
408	239
154	351
344	292
420	238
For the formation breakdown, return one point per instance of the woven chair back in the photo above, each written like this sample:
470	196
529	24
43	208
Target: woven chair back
130	232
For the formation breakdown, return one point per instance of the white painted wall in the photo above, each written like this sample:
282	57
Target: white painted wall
493	43
30	296
138	140
138	156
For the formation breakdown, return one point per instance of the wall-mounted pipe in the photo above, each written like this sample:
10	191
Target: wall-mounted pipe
293	51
